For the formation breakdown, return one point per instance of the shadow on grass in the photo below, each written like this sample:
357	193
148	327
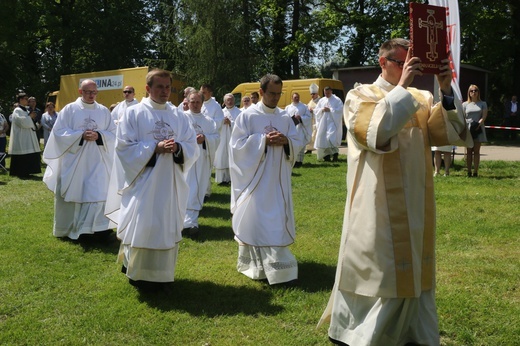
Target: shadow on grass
209	233
31	177
315	277
90	242
217	197
220	211
204	298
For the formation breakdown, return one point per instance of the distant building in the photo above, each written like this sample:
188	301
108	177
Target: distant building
469	74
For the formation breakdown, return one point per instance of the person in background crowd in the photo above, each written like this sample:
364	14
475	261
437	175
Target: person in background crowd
4	128
200	173
329	128
384	292
32	107
264	144
184	104
246	102
255	97
301	117
511	117
155	148
231	112
212	109
48	121
120	108
315	97
24	147
439	152
476	112
79	156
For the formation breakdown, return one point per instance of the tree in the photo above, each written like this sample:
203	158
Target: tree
45	39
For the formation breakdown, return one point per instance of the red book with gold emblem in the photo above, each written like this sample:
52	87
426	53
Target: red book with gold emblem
428	35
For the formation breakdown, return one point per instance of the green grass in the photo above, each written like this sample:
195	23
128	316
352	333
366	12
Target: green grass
55	292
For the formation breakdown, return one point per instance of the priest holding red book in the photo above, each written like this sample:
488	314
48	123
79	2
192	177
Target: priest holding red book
384	292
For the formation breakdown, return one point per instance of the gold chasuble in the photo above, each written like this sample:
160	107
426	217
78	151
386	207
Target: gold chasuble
389	252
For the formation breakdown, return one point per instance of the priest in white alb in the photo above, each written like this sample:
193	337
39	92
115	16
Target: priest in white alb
200	173
384	292
155	148
231	112
129	100
264	144
328	114
79	155
301	117
211	108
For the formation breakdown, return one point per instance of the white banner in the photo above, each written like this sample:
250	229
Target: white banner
106	82
452	18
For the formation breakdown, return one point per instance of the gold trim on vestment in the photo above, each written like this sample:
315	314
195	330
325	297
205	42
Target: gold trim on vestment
428	251
398	216
363	118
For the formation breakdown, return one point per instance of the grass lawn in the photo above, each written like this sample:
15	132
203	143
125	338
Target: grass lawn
55	292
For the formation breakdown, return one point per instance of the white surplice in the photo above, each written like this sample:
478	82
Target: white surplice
305	127
120	109
78	171
23	139
261	195
222	154
200	173
385	279
328	126
148	201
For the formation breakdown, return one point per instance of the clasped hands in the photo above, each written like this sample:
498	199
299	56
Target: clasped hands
166	146
276	138
90	135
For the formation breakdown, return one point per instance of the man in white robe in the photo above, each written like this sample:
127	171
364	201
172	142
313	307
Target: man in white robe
328	114
384	292
155	149
264	144
130	100
301	117
231	112
200	173
79	157
212	109
24	147
315	97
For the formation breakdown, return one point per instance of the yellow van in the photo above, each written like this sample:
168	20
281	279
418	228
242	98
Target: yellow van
110	86
290	86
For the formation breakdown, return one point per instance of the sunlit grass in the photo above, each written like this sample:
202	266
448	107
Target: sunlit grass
55	292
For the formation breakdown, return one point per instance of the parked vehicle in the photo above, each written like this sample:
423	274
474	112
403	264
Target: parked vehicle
110	86
301	86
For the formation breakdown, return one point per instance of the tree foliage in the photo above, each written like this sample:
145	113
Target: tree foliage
226	42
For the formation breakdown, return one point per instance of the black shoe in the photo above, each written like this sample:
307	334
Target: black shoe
327	158
308	152
298	164
335	157
336	342
191	232
194	232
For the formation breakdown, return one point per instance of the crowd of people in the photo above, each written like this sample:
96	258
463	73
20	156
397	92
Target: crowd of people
144	168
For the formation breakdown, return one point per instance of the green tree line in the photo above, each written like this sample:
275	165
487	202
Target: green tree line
227	42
